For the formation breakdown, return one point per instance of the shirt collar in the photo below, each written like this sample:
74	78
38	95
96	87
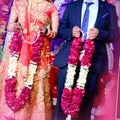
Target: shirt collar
94	1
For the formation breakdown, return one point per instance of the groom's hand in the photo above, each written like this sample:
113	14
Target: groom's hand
76	31
93	33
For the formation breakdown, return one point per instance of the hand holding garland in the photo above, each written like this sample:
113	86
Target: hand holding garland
44	31
14	27
77	32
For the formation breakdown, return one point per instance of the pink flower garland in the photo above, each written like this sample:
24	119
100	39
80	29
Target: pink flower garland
72	98
10	82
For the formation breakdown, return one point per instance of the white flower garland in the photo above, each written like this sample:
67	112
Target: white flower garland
32	71
69	76
82	76
12	66
12	69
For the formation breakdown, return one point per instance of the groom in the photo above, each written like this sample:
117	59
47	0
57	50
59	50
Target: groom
102	28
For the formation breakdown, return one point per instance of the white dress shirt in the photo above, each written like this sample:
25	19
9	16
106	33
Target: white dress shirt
92	14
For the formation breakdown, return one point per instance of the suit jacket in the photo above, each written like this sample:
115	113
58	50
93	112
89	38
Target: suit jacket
106	22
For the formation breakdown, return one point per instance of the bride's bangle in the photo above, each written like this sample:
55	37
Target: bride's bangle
46	30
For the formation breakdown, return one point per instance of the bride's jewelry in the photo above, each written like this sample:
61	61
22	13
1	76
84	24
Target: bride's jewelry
37	38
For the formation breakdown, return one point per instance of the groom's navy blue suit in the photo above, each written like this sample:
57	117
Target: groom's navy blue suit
106	23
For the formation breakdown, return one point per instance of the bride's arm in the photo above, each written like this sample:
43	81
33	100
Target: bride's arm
52	33
13	25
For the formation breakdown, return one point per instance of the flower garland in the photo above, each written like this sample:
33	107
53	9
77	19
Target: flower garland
72	98
11	81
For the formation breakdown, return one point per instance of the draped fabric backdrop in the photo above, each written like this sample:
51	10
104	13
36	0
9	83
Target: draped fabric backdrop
5	6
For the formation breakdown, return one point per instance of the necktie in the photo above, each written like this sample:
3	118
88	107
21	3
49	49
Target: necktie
86	20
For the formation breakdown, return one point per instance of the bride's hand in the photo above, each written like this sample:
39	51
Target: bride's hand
14	27
43	31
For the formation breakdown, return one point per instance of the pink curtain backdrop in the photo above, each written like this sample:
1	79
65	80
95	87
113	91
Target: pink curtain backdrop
4	16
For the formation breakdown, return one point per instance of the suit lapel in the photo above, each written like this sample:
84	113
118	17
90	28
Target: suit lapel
100	12
78	14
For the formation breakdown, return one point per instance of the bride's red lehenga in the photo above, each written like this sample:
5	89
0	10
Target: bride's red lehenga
32	14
